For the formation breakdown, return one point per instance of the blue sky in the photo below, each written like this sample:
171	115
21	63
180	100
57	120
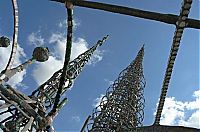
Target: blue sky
43	23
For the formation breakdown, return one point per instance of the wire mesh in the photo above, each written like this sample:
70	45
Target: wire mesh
47	91
121	109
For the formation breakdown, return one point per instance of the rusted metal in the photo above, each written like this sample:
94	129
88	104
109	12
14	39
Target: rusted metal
15	35
160	17
46	92
165	128
180	25
121	108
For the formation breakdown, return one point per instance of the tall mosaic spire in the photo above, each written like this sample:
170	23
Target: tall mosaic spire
121	109
47	91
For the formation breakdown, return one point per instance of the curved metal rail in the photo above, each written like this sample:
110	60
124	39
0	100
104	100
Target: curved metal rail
121	109
15	36
180	25
67	54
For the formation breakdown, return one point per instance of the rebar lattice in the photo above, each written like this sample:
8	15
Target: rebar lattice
47	91
18	111
121	109
180	25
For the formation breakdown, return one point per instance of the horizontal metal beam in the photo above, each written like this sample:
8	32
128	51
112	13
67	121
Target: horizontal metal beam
163	128
165	18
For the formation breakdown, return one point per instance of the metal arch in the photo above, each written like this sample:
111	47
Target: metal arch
121	109
74	68
15	35
180	25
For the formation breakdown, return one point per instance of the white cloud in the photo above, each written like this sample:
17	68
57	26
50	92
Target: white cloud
174	112
97	56
109	82
15	80
76	118
36	39
5	115
44	70
79	46
59	40
99	102
192	121
4	56
55	62
194	104
63	24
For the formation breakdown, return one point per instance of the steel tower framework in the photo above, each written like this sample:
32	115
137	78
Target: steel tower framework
25	113
47	91
121	109
28	113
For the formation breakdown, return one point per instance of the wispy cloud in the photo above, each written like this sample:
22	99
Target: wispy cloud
76	118
63	24
36	39
58	42
97	56
97	101
174	112
109	82
45	70
100	102
55	62
4	56
101	98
